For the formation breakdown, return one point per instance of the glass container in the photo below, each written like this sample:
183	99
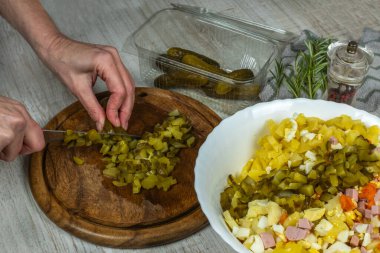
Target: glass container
348	68
242	51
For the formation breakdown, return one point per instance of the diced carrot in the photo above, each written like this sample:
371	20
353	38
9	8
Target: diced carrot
346	203
283	217
368	192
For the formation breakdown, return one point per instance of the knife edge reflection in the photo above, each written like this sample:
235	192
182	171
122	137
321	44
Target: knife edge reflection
51	135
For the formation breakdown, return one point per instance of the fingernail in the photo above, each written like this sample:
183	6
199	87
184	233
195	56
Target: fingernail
117	123
125	126
100	125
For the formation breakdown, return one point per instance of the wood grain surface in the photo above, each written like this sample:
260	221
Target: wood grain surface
83	202
23	226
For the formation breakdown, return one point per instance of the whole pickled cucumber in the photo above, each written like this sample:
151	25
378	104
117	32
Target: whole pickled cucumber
228	91
197	62
179	53
180	79
165	67
241	75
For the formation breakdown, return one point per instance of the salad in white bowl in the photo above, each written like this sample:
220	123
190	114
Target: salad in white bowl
293	176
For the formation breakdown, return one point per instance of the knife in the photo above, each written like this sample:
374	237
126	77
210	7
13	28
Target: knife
59	135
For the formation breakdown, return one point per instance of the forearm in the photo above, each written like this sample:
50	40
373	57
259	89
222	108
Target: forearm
30	19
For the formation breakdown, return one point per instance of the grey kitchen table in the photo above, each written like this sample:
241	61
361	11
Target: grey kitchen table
23	227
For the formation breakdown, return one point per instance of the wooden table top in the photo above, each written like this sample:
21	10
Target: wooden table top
23	227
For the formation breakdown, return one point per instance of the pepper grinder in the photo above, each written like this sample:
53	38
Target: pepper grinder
348	68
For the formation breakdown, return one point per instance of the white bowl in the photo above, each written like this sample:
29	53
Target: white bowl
231	144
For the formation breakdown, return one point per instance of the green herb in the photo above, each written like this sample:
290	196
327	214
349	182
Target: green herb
279	76
309	72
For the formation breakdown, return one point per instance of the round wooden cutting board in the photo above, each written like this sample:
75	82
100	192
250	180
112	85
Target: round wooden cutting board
80	200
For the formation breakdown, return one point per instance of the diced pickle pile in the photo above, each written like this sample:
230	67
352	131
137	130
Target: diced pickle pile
304	162
147	162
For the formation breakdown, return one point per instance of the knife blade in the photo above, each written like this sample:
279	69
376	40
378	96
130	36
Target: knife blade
58	135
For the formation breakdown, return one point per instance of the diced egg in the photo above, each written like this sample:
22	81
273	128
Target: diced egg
336	146
323	227
290	133
263	222
366	239
338	247
258	245
361	228
306	135
268	169
311	238
241	233
316	246
307	167
278	228
311	155
343	236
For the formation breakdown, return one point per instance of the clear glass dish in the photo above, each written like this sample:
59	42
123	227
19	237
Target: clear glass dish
236	45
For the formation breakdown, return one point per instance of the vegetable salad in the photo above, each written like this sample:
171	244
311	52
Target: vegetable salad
311	186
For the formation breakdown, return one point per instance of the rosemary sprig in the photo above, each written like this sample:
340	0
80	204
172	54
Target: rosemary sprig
278	75
309	72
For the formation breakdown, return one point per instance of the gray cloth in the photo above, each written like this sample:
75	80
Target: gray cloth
368	97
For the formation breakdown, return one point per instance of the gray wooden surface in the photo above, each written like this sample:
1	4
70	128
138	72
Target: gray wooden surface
23	228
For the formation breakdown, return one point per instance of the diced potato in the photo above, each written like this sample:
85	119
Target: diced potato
274	213
314	214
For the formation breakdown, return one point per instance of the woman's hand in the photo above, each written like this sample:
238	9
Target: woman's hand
19	133
79	64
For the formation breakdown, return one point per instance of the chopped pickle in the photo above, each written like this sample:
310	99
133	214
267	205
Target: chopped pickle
78	160
306	170
145	163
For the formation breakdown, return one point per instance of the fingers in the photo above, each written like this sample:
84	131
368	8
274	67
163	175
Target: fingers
108	71
33	140
19	133
125	109
12	150
89	101
78	64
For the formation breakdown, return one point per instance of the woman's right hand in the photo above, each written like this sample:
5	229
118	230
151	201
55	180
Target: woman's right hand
19	133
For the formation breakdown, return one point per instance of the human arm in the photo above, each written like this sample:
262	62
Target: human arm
77	64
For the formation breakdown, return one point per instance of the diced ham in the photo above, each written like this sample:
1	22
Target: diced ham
377	195
375	236
333	140
375	210
361	206
304	223
363	250
369	228
353	194
368	214
295	234
268	240
354	242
